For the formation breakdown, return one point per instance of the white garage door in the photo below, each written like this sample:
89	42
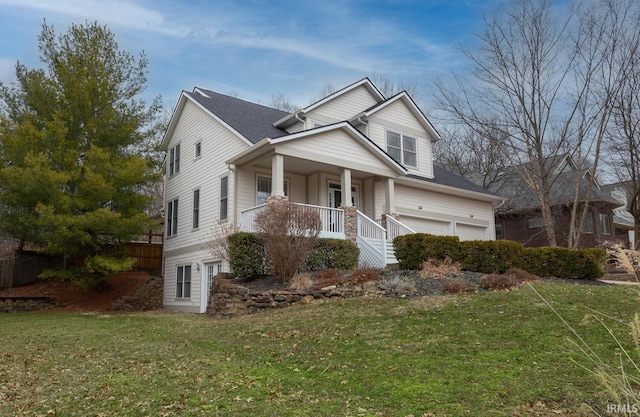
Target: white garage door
470	232
433	227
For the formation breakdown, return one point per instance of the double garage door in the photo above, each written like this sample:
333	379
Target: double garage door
442	228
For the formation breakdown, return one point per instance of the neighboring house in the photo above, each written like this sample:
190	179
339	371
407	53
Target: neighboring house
360	160
622	218
520	218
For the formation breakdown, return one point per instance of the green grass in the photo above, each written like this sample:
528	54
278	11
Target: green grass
489	354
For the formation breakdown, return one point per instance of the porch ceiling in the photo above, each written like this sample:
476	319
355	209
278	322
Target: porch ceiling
304	166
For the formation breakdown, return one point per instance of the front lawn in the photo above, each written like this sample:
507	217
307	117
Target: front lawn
493	353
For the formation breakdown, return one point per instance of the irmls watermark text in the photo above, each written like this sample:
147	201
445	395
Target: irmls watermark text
623	408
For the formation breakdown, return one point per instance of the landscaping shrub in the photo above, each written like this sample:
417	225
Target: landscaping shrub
289	233
396	286
247	257
332	253
301	282
458	285
440	269
498	282
412	250
564	263
363	275
327	277
490	256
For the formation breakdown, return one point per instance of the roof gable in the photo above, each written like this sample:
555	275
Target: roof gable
410	105
290	119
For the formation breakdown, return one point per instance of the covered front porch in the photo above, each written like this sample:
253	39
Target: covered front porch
334	171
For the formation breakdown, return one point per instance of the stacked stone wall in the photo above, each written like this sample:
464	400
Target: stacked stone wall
147	297
18	304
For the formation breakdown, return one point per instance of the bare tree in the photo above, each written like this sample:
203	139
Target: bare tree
542	83
623	140
389	88
281	102
326	90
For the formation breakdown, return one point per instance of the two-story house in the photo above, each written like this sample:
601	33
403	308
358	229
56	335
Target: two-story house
363	161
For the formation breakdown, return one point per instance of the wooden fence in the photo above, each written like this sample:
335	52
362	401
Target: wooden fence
148	255
24	268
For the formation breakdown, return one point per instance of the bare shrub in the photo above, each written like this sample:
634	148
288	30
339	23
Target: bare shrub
498	282
290	233
440	269
301	283
458	285
327	277
218	245
396	286
363	275
520	275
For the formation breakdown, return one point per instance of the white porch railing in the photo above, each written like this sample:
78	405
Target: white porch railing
371	241
332	219
395	228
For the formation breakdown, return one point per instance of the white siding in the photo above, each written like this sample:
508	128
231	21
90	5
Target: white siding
398	118
204	173
343	107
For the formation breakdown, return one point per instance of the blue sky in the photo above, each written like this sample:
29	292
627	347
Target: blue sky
255	48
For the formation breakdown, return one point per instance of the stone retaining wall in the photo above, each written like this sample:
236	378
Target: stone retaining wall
231	300
147	297
17	304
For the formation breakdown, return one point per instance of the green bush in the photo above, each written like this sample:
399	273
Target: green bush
412	250
247	257
564	262
490	256
332	254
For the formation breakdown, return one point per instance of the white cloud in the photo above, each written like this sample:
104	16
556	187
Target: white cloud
117	12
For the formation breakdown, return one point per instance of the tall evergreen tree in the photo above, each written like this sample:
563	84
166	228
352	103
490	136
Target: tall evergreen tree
73	140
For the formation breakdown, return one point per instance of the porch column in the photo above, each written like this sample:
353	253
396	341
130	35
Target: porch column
277	175
390	197
345	185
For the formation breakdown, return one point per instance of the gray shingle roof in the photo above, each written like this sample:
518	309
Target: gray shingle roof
255	122
251	120
449	179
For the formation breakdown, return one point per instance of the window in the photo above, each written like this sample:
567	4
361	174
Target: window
264	189
402	148
197	150
535	223
224	197
172	218
196	209
174	160
587	226
499	232
183	282
605	223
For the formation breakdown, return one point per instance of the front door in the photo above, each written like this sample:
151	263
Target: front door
209	271
335	195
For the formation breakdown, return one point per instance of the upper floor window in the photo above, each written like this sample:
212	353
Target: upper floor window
197	150
587	226
535	223
196	209
224	197
402	148
264	189
605	223
172	218
174	160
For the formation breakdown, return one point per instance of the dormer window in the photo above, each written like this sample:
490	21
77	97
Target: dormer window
402	148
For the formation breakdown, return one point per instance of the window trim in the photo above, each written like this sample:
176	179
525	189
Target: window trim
270	178
174	160
223	202
172	217
197	150
604	220
402	148
195	213
183	286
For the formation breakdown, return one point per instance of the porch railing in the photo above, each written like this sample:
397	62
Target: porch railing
371	241
332	219
395	228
